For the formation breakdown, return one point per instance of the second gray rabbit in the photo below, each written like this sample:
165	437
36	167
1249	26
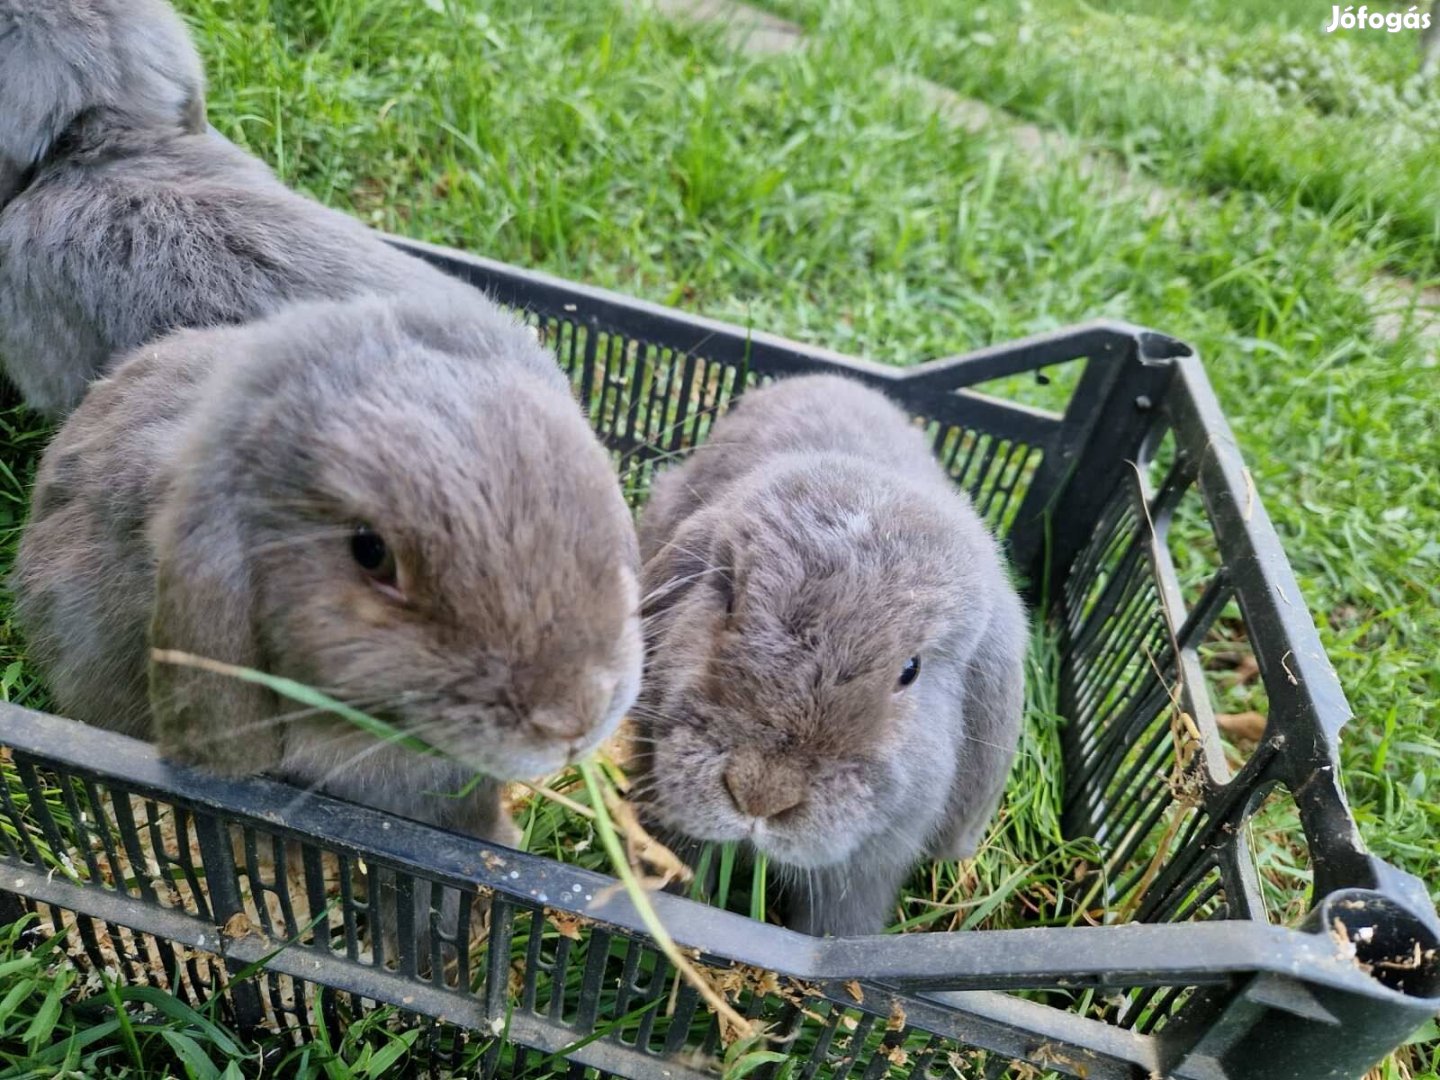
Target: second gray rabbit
121	218
835	652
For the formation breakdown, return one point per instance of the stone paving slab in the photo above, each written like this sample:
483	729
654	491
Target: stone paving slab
746	29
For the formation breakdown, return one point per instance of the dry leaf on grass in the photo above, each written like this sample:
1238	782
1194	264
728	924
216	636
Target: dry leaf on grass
1246	671
568	925
896	1020
1340	934
238	926
644	849
1242	726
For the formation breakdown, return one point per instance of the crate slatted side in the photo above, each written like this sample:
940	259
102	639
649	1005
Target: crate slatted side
551	982
651	404
653	384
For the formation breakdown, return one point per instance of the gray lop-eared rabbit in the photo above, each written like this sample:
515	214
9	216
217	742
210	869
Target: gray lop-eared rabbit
835	651
122	218
396	502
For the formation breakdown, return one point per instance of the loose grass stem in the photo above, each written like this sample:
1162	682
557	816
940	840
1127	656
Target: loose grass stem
599	812
610	841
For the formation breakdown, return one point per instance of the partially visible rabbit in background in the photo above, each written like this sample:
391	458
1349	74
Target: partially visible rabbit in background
835	653
61	60
122	217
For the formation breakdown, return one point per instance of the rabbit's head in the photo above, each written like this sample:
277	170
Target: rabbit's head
63	60
402	506
809	633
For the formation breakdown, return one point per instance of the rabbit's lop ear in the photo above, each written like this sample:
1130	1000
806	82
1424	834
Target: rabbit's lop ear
204	607
193	116
992	711
12	177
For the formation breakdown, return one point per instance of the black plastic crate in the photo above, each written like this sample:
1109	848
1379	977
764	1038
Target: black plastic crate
178	879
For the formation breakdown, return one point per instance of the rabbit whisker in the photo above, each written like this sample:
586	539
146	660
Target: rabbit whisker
629	470
648	714
668	587
642	740
290	716
697	556
645	790
641	705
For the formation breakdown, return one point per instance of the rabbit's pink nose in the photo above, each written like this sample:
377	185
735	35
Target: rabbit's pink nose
762	792
558	723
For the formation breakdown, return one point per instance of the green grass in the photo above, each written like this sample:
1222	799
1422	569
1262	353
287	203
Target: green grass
803	196
1339	123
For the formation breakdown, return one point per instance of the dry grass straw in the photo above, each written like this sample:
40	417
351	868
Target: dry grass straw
609	813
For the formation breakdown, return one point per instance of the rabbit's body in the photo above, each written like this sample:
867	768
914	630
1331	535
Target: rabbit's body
794	566
84	565
202	499
132	222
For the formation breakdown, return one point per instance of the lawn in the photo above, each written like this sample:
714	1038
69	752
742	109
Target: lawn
813	196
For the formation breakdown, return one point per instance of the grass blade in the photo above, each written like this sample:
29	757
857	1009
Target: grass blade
197	1063
42	1027
127	1029
757	888
727	870
298	692
610	840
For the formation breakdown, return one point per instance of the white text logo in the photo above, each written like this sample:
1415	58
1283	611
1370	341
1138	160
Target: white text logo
1365	19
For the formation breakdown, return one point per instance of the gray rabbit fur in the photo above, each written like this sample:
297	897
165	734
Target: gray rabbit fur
793	566
122	218
130	60
205	498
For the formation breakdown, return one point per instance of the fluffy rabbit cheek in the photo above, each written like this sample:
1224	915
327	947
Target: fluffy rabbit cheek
828	829
688	788
532	761
543	741
628	668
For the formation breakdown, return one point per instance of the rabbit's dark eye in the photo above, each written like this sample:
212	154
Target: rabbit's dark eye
725	585
372	554
909	673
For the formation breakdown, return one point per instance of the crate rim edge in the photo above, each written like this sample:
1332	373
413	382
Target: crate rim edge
1322	705
915	962
1261	950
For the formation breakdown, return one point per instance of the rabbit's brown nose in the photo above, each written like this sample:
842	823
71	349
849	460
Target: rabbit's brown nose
558	723
763	789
